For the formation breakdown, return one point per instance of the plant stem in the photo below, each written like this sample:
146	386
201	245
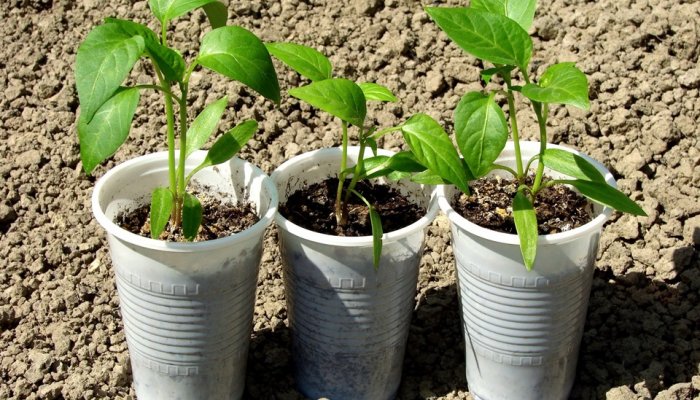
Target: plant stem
180	195
541	113
339	210
504	168
170	120
358	167
514	126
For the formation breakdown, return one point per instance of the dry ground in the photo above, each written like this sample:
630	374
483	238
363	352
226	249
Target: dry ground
60	331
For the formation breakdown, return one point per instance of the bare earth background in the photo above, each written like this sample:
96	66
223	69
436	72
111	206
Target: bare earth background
60	331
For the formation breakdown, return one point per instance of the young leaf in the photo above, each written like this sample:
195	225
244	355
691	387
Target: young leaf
162	202
433	148
239	54
166	10
339	97
489	73
169	61
109	128
521	11
572	165
203	126
377	92
428	177
481	130
377	233
526	226
405	161
370	165
191	216
372	143
227	145
604	194
217	13
491	37
561	83
308	62
102	63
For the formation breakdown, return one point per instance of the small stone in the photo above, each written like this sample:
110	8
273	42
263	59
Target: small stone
7	214
292	150
434	82
28	158
40	366
690	79
679	391
367	7
631	162
620	393
50	391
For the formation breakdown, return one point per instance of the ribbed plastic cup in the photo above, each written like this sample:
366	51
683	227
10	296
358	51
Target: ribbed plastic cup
187	308
523	328
349	321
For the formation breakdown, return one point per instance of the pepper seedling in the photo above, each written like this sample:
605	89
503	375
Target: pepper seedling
347	101
495	31
105	60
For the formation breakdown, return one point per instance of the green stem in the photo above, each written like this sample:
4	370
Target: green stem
183	143
514	126
358	167
541	113
170	121
504	168
339	209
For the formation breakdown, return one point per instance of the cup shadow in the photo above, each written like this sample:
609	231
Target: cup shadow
434	361
642	333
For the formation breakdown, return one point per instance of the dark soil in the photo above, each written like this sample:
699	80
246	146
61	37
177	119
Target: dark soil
313	208
219	219
489	205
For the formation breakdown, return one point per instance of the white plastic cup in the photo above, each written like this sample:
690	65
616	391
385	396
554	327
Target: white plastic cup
187	308
349	321
523	328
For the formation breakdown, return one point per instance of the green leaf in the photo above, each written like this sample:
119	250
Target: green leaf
308	62
370	165
374	91
162	204
428	177
339	97
481	130
203	126
377	233
571	164
166	10
238	54
405	161
433	148
526	226
227	145
521	11
109	128
604	194
191	216
372	143
491	37
102	63
169	61
489	73
217	13
561	83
